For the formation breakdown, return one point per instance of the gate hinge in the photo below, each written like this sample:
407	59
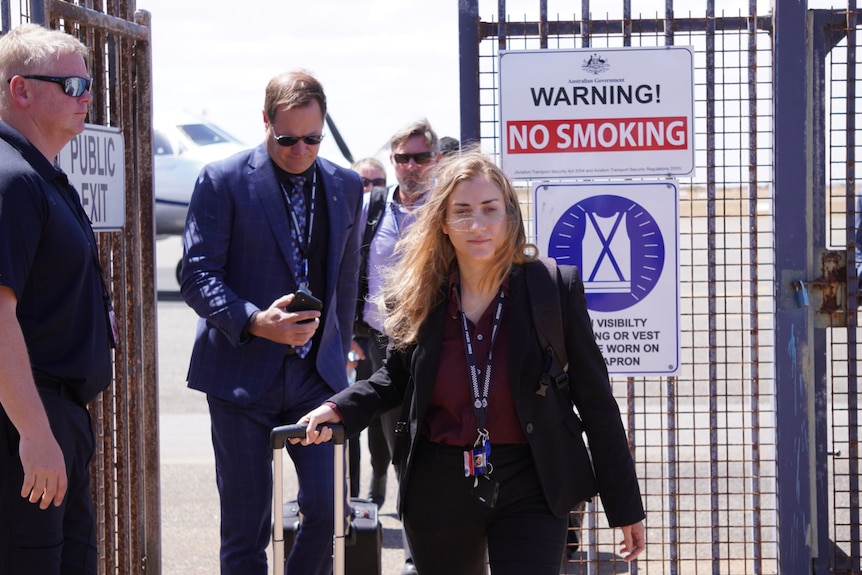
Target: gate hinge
830	298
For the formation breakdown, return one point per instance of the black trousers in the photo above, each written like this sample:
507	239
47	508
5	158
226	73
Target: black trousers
381	431
58	540
363	371
449	529
379	440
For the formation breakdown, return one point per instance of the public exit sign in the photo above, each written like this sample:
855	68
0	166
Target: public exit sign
94	162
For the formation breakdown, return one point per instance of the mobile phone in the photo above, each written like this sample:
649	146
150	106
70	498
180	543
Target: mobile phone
304	301
486	490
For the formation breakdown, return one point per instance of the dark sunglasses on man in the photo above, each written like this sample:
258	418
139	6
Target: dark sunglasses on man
288	141
420	158
73	86
376	182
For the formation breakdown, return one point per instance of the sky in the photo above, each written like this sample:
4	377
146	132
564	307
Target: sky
383	63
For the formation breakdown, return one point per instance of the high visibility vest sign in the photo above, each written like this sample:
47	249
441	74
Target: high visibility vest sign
597	112
623	238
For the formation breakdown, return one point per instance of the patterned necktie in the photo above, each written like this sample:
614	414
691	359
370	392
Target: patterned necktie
300	242
298	226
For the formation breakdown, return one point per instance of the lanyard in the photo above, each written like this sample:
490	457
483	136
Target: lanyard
302	245
480	396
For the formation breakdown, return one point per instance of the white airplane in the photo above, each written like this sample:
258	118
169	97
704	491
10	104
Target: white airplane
181	149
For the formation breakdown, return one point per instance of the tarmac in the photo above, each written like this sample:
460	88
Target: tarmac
189	498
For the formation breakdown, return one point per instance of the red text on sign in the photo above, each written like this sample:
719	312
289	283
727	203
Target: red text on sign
596	135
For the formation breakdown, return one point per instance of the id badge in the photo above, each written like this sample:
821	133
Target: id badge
476	459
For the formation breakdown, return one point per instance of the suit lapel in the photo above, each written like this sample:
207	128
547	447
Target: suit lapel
335	206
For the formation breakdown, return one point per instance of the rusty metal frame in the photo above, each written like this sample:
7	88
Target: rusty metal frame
125	468
836	43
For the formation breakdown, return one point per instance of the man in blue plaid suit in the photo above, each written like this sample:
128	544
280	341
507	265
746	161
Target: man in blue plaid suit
262	225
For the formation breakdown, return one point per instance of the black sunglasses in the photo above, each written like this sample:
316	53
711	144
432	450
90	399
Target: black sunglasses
288	141
420	158
73	86
376	182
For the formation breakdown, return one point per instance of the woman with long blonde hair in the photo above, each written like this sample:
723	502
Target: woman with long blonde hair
488	460
425	255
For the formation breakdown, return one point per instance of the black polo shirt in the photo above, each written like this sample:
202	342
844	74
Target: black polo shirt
48	257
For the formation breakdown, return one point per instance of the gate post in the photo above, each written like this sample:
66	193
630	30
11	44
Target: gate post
37	12
468	27
794	247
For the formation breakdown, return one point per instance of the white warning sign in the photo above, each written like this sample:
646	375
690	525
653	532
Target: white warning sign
597	112
624	239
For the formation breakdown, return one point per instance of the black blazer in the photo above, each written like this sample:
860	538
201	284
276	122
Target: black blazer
569	473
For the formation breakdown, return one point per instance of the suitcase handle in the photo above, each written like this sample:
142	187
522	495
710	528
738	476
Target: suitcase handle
280	434
277	437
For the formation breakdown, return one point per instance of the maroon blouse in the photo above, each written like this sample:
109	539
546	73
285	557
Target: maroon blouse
450	418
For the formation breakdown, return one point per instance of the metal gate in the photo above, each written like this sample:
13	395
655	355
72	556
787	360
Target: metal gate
748	458
125	469
836	334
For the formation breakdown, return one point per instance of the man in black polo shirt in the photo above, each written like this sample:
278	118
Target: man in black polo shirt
54	313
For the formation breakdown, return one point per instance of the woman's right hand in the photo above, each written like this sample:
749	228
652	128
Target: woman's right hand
314	419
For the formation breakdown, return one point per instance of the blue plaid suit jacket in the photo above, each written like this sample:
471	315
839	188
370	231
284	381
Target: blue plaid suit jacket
237	260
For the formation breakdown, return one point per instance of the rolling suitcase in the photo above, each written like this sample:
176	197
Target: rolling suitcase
357	552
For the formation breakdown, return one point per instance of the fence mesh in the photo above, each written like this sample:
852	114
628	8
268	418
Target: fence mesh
840	396
704	440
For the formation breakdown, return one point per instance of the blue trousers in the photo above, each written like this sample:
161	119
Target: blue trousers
58	540
243	459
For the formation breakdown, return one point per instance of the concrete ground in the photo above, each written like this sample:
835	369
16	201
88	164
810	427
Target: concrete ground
190	509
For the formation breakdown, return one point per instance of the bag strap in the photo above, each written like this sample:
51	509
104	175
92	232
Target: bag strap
376	207
544	293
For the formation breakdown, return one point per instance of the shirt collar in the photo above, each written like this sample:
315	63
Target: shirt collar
396	201
284	176
30	153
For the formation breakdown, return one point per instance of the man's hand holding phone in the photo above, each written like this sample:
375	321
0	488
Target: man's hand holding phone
291	319
304	301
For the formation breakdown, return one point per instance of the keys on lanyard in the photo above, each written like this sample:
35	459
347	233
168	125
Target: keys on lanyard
477	464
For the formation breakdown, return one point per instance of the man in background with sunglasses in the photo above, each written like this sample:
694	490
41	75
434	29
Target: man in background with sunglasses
373	174
55	316
413	152
267	229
